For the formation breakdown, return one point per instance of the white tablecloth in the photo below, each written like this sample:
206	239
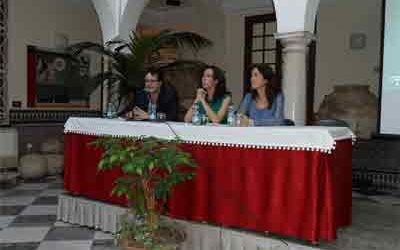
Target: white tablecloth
311	138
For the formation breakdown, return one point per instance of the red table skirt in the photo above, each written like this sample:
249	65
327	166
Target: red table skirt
302	194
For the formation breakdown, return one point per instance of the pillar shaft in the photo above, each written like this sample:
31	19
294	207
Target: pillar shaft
294	73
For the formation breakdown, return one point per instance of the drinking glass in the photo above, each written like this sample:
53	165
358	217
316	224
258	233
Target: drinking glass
161	117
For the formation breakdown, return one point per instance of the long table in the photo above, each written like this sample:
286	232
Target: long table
293	181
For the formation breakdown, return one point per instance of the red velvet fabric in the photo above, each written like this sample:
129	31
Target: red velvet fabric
302	194
31	85
80	172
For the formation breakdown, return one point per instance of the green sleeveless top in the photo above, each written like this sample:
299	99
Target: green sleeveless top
215	105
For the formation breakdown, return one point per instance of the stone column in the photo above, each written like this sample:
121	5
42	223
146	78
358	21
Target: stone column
294	73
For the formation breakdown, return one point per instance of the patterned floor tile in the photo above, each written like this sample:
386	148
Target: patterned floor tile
56	186
43	180
34	221
20	192
23	234
104	245
11	210
46	200
69	233
5	221
98	235
32	186
65	245
55	179
17	200
52	192
39	210
62	224
19	246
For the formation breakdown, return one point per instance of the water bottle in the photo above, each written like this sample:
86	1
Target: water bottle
231	116
196	114
110	110
152	111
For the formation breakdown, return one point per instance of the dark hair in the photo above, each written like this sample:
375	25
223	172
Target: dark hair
219	75
155	72
272	89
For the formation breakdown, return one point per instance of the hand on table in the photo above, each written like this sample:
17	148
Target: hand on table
129	115
139	114
245	121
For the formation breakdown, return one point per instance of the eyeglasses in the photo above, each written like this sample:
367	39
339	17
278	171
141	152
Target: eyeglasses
150	80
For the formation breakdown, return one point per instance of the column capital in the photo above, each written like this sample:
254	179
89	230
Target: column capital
295	41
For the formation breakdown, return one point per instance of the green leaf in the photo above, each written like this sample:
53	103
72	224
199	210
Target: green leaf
104	164
151	165
114	159
129	168
139	171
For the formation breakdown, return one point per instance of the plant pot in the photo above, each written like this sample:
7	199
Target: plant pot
129	245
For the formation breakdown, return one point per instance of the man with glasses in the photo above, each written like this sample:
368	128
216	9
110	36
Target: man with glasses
157	94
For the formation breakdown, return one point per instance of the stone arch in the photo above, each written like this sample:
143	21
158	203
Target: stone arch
130	17
106	19
295	16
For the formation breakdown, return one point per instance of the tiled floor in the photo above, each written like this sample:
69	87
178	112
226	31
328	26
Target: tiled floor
28	221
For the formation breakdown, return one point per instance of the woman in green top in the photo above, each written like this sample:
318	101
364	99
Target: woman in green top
212	96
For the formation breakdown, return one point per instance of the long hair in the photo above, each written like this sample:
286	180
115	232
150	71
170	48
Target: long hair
219	75
273	87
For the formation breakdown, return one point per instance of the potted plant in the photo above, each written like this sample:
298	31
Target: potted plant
128	60
150	168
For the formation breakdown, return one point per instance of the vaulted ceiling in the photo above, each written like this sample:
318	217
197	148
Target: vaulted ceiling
227	5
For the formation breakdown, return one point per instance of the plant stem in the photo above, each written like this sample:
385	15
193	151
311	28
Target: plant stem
150	199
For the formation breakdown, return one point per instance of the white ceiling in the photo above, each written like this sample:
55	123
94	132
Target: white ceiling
237	5
160	4
227	5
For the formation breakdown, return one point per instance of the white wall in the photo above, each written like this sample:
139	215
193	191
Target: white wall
35	23
235	37
336	63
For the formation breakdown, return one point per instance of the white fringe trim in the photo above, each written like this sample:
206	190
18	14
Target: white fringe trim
105	217
89	213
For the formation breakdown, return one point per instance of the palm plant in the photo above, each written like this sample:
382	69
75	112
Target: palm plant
128	60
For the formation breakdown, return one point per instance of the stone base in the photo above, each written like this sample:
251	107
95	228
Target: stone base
8	177
8	162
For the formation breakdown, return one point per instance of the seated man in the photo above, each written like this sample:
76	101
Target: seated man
156	93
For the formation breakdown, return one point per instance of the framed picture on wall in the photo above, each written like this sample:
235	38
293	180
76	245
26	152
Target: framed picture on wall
55	79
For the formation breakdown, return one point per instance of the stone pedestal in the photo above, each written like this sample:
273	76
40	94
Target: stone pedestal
55	163
53	150
33	166
8	155
294	73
